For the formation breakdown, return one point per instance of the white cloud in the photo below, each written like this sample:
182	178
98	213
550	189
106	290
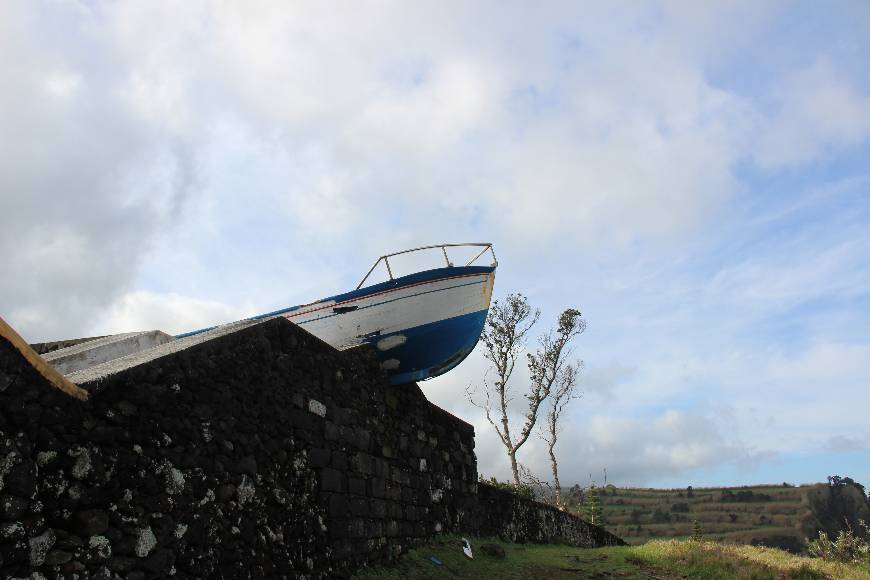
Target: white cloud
817	112
259	156
171	313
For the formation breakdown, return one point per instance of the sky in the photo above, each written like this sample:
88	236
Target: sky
694	177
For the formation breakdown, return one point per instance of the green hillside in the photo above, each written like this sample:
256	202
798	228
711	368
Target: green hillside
772	515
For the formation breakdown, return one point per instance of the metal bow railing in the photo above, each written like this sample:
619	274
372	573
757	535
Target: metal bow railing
386	258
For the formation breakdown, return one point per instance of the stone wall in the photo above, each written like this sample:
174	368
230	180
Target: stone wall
259	452
516	519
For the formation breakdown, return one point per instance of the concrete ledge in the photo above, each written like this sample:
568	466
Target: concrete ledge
94	374
94	352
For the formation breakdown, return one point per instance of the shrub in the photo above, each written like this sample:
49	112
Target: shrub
849	547
681	508
661	517
521	490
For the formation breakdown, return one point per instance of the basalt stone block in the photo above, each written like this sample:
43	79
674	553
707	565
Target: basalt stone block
21	479
225	492
377	487
331	480
331	431
12	507
319	457
247	465
92	522
363	463
122	565
359	507
338	460
15	552
159	562
361	439
57	558
338	529
338	505
356	485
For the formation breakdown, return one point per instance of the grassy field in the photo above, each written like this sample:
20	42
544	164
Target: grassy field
773	515
660	559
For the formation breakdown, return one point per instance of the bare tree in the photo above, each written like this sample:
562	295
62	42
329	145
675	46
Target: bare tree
504	337
541	488
552	373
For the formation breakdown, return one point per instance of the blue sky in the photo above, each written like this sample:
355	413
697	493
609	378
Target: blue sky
692	176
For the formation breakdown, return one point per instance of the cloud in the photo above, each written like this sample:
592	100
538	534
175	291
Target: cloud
634	451
842	444
261	157
170	313
817	112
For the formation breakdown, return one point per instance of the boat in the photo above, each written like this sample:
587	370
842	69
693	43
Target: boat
420	325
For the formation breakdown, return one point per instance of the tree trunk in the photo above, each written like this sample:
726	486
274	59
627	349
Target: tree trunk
555	466
514	468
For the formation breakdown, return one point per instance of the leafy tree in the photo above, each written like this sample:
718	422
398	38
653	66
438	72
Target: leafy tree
503	338
835	481
551	373
551	376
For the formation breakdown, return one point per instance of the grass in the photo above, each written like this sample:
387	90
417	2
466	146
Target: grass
661	559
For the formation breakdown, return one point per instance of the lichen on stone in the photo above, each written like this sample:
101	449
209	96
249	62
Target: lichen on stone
145	542
173	476
209	497
246	490
40	545
43	458
82	466
101	546
5	465
317	407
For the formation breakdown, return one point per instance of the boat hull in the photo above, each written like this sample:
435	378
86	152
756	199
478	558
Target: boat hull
421	325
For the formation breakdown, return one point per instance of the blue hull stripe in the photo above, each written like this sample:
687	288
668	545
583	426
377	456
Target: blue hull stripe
432	349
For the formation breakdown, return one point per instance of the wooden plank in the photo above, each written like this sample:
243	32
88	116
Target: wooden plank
56	379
